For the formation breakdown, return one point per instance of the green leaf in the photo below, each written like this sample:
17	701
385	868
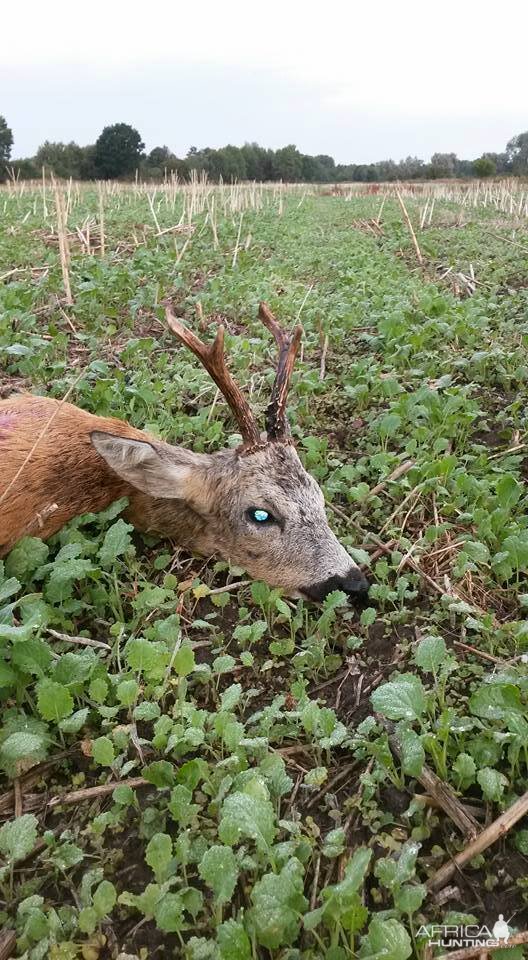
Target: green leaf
124	795
103	751
59	586
509	953
160	773
147	711
521	841
509	491
218	869
492	783
245	816
54	701
18	837
368	616
465	769
430	654
104	898
201	948
28	555
8	588
400	699
146	656
278	904
193	901
74	668
233	941
7	676
386	939
334	843
183	663
193	772
282	648
74	723
409	898
273	769
127	692
389	424
283	607
159	855
145	902
98	690
31	656
223	664
476	551
87	920
394	871
22	750
231	696
355	871
8	632
260	592
181	807
495	701
66	856
169	913
117	541
412	751
316	776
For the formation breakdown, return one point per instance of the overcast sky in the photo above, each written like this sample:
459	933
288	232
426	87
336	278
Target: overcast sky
360	81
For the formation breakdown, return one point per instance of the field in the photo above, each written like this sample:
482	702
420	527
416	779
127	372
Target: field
192	765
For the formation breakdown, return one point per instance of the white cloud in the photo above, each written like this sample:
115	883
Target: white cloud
326	68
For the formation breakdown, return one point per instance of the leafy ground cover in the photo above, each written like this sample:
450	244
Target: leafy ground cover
223	773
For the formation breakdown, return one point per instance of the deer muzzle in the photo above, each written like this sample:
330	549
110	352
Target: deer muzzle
353	583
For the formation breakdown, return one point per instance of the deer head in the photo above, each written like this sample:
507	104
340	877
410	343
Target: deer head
255	505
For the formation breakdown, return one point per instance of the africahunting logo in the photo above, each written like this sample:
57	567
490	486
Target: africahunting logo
474	935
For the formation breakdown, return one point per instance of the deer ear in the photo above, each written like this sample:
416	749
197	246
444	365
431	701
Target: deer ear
154	468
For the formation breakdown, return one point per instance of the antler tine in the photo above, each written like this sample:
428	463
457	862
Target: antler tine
213	359
277	426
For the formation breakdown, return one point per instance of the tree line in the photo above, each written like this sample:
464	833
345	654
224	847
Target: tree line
119	153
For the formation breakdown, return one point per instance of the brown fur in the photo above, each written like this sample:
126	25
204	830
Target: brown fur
64	469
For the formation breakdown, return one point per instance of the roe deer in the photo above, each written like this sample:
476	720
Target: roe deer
255	505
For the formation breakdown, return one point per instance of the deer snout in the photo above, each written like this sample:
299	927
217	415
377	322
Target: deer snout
354	583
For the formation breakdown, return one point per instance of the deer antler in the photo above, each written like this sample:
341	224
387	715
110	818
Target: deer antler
288	343
213	359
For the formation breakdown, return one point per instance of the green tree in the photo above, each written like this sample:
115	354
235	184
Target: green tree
287	164
328	163
443	164
25	169
258	161
517	150
6	142
484	167
231	163
312	171
160	162
63	159
118	151
410	169
501	161
88	169
160	157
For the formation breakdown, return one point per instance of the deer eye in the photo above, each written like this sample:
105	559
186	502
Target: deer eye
260	516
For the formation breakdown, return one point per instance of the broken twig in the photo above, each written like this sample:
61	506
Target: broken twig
7	944
440	791
410	228
466	953
499	828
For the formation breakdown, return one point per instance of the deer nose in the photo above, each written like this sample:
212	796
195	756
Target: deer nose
354	583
